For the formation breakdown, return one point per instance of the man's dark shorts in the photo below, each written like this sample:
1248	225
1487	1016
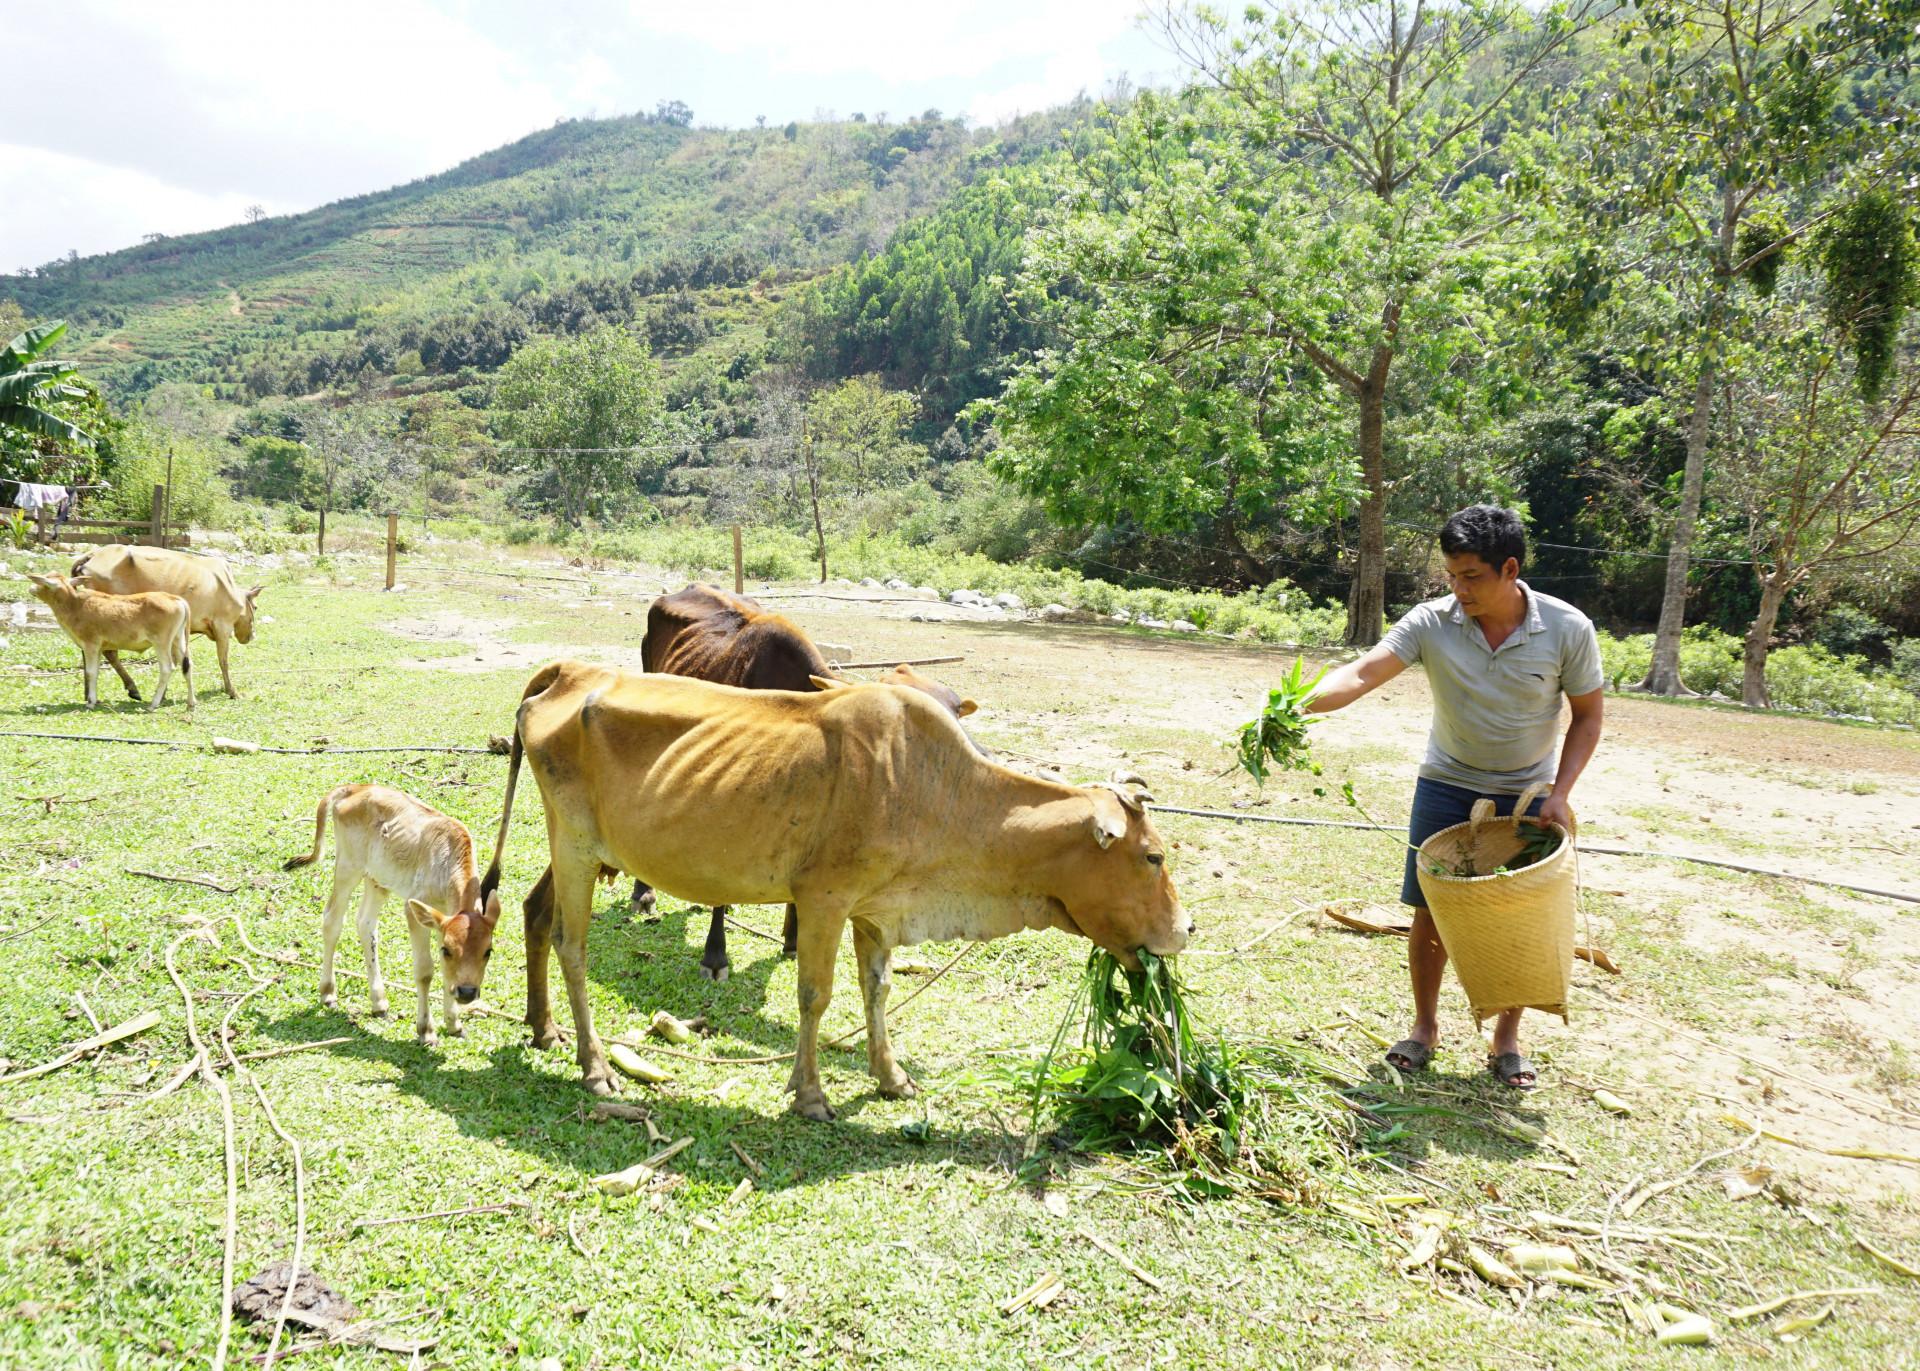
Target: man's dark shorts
1437	805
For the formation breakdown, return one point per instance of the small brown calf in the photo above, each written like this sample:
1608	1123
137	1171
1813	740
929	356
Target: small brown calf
106	624
398	845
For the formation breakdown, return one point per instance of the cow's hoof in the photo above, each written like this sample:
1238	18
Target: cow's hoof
813	1105
380	1010
901	1087
427	1039
455	1029
600	1085
787	954
715	973
328	999
545	1038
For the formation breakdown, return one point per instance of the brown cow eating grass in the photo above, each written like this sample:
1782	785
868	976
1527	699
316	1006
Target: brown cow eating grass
858	804
391	843
105	625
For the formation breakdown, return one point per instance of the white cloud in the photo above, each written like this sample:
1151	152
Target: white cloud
898	42
60	204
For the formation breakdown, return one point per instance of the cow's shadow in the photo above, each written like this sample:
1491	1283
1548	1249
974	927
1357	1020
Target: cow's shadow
532	1102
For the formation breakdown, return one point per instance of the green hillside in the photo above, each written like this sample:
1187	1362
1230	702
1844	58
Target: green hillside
627	209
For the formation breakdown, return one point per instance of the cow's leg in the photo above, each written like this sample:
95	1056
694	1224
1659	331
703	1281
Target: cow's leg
90	674
219	636
573	884
163	658
538	909
126	677
713	961
422	943
643	898
876	980
818	946
344	880
372	898
790	933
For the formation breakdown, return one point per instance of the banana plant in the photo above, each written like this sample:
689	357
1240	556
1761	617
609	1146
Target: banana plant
31	382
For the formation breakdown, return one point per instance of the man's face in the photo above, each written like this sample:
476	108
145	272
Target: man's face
1479	587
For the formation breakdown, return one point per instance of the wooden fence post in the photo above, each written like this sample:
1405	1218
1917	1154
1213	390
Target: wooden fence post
43	526
321	548
739	580
158	532
393	537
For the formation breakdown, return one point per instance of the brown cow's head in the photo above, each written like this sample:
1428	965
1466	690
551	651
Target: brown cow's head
52	590
466	941
1120	894
243	626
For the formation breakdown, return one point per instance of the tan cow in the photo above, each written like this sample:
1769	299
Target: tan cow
861	804
221	611
111	624
395	844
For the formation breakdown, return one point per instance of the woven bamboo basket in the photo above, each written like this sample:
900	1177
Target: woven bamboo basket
1510	935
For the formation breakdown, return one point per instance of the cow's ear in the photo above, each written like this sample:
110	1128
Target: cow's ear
1109	817
965	708
490	913
827	683
255	591
425	915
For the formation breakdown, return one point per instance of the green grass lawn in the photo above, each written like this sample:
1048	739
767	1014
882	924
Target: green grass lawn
859	1244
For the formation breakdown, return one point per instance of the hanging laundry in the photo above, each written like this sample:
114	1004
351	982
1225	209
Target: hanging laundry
31	497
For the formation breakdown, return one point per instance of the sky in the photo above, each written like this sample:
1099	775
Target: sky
132	118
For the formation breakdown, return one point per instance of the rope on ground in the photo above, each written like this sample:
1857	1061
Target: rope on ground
278	751
205	1065
1601	849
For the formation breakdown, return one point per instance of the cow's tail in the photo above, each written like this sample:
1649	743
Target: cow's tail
541	680
325	808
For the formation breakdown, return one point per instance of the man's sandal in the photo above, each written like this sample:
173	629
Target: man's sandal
1409	1054
1512	1070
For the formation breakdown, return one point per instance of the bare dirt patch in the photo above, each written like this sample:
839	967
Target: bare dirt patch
491	651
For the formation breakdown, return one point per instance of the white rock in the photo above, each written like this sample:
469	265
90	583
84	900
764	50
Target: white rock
1122	616
897	584
963	596
869	583
835	652
1055	611
1182	626
1006	599
4	644
1145	622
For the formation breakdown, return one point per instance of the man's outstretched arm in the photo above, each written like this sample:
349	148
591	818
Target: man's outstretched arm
1345	684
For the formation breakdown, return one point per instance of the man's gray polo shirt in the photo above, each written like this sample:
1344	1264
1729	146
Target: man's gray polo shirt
1496	715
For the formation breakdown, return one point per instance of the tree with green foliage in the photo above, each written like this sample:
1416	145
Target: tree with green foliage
859	428
1233	266
1823	478
1729	131
583	414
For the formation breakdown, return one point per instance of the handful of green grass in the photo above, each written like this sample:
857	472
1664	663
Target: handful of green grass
1277	740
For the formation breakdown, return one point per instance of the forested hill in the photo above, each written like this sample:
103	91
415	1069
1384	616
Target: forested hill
617	219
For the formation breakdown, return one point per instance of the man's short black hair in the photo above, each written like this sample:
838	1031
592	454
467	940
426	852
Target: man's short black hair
1489	532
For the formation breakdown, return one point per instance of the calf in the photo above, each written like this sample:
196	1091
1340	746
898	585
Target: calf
221	610
108	624
396	844
713	635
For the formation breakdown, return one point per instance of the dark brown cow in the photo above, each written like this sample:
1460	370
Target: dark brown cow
713	635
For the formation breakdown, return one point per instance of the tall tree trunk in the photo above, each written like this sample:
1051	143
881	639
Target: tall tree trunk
1663	675
1753	678
1367	597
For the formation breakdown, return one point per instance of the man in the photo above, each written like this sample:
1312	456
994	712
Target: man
1499	656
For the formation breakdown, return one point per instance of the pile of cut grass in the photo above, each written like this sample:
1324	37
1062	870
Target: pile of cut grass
1210	1118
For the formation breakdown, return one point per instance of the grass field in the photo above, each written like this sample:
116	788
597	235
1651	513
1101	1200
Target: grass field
893	1236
